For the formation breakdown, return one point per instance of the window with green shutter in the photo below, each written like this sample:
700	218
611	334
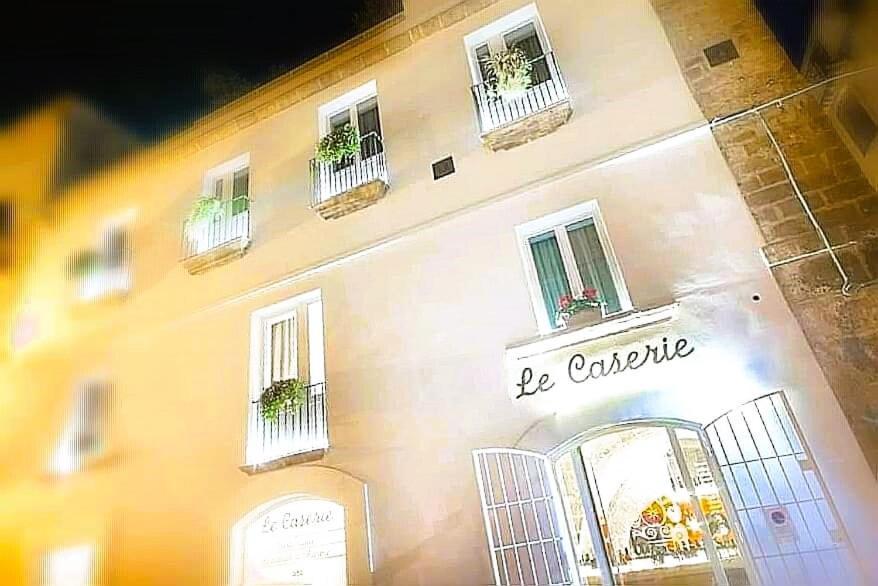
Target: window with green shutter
568	253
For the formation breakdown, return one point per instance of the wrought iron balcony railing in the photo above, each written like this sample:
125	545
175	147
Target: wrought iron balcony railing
547	90
332	179
230	225
296	431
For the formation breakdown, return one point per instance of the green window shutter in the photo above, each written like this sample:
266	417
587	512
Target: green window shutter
550	271
592	262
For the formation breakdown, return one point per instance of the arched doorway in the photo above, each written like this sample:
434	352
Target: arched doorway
738	501
292	541
647	493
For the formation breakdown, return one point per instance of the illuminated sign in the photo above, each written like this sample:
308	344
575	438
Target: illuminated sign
582	368
300	542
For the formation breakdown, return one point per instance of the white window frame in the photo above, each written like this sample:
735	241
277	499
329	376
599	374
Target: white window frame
260	337
226	171
267	325
494	33
558	222
349	101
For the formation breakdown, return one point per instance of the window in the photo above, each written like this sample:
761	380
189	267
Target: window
566	253
520	30
287	343
85	435
857	122
279	360
223	229
72	566
105	269
230	182
358	108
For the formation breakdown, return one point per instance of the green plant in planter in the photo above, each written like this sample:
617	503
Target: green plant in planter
282	396
86	263
204	210
339	144
510	74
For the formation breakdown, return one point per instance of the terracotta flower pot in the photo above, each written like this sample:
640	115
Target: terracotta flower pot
585	317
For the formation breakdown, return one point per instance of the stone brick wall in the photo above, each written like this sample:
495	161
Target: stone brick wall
841	329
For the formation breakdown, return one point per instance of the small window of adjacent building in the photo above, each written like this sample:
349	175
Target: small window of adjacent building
566	254
857	121
84	437
70	566
105	269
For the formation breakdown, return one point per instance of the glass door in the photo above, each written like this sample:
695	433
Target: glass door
648	495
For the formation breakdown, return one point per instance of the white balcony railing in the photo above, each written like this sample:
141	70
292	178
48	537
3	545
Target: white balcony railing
548	90
296	431
329	180
230	225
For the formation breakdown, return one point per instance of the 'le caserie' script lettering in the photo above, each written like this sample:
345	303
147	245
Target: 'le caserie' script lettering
580	369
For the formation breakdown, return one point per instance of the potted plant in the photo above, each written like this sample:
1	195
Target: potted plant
282	396
86	264
341	143
581	310
203	211
510	74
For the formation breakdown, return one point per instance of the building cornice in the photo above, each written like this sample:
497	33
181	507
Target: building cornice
312	77
289	89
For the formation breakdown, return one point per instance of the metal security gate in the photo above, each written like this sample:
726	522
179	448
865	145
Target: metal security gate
527	532
789	523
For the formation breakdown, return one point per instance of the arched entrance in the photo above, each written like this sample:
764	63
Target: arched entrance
293	541
738	501
646	492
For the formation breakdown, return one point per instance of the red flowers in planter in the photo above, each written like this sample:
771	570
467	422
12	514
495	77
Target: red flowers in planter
569	305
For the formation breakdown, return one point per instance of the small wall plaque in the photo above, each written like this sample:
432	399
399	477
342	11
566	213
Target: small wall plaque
443	168
721	53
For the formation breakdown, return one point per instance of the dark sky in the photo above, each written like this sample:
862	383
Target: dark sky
153	66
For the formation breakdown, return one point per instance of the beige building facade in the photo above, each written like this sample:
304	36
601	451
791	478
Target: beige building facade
448	425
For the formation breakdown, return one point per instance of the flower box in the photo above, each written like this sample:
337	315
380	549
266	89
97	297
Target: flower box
576	311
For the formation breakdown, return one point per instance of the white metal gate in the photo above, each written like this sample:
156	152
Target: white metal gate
789	523
526	529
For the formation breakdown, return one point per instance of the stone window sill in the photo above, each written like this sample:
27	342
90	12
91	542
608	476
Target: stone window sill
611	326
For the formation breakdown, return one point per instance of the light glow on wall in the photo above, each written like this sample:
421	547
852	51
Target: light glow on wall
72	566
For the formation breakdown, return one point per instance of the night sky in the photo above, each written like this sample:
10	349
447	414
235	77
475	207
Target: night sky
155	66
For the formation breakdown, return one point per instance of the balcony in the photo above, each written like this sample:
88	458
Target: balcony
219	239
352	184
99	274
298	435
542	109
